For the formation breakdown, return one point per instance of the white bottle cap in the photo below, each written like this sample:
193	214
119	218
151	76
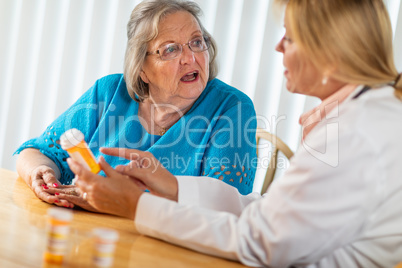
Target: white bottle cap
105	234
71	138
61	214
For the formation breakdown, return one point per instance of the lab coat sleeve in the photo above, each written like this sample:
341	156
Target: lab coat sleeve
222	198
318	206
201	229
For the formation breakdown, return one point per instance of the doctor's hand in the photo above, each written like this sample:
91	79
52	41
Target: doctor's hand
146	171
114	194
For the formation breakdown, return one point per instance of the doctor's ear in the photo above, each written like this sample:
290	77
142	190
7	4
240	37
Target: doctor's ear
144	77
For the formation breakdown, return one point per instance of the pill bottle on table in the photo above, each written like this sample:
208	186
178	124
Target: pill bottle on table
104	245
73	142
58	229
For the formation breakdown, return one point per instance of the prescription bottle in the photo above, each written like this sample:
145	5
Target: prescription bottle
104	245
73	142
58	228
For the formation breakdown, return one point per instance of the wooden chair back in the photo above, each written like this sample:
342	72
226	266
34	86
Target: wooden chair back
277	145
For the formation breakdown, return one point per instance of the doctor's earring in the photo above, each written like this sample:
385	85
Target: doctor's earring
324	80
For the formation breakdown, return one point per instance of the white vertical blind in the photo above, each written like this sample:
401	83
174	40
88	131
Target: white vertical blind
11	12
52	51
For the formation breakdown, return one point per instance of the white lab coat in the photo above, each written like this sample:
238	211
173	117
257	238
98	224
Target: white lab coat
338	205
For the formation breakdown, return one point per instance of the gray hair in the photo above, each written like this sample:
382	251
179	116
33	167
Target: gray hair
143	27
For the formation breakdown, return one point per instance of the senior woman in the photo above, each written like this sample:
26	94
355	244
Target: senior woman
340	208
168	103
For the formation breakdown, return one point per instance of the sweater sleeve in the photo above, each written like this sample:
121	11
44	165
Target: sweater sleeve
84	115
231	152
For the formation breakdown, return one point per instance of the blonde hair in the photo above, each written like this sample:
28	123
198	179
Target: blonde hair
143	27
355	36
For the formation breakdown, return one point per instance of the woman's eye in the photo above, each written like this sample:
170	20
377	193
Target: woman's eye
197	42
286	38
169	50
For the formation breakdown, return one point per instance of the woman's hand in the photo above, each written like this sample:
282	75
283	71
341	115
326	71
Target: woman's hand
71	194
40	173
116	194
43	178
146	171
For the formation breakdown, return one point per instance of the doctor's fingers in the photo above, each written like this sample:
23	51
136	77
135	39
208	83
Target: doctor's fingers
86	187
144	163
109	171
130	154
147	174
118	174
82	173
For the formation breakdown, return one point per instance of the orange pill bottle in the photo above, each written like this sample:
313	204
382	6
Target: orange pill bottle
58	229
73	142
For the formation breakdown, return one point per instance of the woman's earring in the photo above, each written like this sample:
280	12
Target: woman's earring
324	80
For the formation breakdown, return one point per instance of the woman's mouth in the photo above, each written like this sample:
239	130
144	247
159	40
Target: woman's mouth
190	77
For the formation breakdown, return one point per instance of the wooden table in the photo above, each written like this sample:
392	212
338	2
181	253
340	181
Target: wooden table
23	235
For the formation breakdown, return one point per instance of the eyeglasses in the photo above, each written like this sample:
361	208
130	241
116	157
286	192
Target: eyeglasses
173	50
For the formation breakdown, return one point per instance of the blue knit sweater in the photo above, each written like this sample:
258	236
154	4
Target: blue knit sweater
215	138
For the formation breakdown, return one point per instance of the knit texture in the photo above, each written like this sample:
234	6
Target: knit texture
215	138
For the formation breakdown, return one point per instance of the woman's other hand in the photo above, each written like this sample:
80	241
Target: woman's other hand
146	171
114	194
40	173
72	195
40	180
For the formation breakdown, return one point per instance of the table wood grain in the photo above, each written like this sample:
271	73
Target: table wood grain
23	236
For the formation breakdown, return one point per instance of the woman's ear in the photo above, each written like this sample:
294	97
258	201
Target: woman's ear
144	77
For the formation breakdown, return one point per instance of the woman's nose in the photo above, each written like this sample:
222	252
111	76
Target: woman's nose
187	55
279	46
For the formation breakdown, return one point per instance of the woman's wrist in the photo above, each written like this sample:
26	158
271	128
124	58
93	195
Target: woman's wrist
31	159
